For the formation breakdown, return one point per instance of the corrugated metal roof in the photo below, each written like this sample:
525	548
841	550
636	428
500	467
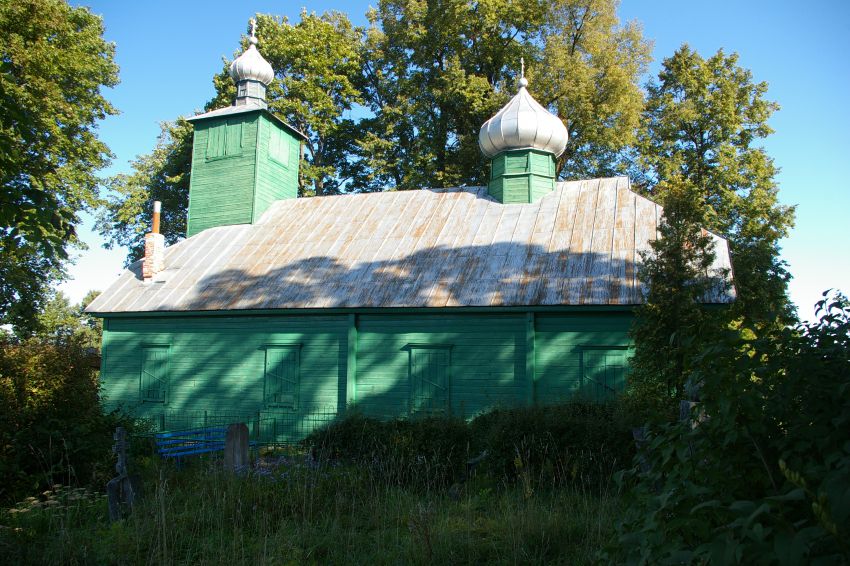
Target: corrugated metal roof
579	245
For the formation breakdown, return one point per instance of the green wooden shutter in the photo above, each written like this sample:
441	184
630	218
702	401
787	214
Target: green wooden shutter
604	372
429	369
153	385
225	139
233	137
283	379
215	141
279	147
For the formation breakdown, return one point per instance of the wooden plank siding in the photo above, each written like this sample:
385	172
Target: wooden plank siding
238	187
210	205
217	364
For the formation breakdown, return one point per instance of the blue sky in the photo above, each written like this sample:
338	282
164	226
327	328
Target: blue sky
169	51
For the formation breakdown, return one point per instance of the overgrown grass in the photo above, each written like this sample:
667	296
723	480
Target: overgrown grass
294	511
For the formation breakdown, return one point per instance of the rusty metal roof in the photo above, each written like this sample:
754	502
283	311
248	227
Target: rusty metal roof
579	245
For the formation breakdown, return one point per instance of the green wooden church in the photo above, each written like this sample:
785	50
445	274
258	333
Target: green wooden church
284	312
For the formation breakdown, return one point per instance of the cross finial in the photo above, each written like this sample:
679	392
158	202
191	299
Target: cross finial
253	27
523	82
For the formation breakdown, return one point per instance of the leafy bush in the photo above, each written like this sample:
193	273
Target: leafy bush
427	452
576	442
763	473
571	443
52	427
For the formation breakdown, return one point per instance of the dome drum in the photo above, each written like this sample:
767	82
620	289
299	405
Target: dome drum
521	176
250	93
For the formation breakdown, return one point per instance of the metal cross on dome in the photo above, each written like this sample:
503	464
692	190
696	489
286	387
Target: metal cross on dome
253	27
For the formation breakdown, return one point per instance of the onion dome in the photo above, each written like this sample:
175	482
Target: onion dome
523	124
250	66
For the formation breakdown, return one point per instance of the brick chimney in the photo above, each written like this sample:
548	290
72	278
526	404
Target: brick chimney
154	261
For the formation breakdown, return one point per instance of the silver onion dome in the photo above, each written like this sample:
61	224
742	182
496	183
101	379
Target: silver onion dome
250	66
523	124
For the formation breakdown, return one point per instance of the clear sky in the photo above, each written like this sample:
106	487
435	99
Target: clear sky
168	52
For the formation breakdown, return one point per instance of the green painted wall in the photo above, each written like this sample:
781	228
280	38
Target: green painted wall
218	366
278	154
521	176
241	163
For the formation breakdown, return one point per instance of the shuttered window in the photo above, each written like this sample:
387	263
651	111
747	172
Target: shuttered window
153	384
430	379
283	376
225	139
279	146
604	371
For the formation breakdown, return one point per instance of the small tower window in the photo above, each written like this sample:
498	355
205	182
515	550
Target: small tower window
225	139
279	146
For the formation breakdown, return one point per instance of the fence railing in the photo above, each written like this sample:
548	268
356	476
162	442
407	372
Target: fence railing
264	426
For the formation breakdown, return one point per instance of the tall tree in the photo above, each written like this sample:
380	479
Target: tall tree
53	66
703	121
438	69
672	327
317	64
161	175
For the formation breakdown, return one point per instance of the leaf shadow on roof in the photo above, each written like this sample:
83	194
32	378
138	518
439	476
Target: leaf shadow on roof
508	275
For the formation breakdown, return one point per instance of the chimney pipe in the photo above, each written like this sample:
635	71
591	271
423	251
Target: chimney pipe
154	261
157	207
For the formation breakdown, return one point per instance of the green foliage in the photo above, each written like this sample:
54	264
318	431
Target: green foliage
317	63
286	512
426	452
161	175
52	428
437	70
571	444
763	476
54	63
702	121
673	325
576	443
60	321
